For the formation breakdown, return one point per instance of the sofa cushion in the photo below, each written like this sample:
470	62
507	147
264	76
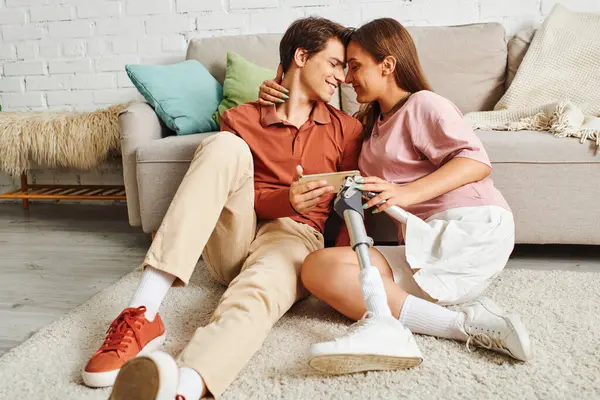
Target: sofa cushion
517	47
531	147
536	172
262	50
466	64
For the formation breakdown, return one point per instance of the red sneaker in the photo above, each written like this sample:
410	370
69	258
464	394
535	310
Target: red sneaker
129	334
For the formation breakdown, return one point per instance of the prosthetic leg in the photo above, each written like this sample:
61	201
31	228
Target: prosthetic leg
348	205
378	341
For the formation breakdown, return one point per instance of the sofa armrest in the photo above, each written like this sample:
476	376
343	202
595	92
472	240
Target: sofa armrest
139	125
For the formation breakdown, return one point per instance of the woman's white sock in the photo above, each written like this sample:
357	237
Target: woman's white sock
151	291
427	318
374	292
191	385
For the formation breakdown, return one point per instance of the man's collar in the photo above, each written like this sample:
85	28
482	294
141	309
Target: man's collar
268	116
319	114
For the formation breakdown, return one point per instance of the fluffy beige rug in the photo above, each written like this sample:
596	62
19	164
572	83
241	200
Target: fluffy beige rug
80	140
560	308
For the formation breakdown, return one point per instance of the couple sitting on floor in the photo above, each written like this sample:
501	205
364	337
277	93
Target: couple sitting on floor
260	230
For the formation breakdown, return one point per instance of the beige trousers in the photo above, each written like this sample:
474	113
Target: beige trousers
212	214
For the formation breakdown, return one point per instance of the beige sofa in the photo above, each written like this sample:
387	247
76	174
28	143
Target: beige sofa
550	183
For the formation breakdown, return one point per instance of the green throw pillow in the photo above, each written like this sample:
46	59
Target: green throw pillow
242	80
183	95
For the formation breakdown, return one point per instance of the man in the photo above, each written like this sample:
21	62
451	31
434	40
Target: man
240	205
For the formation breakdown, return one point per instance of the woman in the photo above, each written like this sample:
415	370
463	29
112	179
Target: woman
420	155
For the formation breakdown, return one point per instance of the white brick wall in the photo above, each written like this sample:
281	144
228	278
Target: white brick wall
42	83
70	54
70	66
98	9
11	85
147	7
93	81
24	68
16	16
51	13
80	47
70	29
27	50
186	6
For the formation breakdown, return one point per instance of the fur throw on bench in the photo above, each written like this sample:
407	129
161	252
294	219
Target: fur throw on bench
78	140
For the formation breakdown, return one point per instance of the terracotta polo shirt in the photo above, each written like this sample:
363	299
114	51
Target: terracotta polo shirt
329	141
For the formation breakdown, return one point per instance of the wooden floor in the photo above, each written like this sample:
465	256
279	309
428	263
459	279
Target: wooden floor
56	256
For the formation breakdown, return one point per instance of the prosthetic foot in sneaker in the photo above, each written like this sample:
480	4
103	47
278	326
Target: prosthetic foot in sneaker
371	344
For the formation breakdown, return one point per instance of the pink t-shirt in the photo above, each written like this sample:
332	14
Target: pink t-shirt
423	135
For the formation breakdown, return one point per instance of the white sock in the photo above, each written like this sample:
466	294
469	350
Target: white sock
153	288
374	292
427	318
191	384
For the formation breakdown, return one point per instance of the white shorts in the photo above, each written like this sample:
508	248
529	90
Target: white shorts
457	253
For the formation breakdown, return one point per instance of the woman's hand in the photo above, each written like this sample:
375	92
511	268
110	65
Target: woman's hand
271	91
391	193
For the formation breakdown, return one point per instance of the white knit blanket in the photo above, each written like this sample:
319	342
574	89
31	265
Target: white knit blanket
557	86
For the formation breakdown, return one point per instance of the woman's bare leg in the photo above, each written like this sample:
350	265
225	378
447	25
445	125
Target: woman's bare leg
332	275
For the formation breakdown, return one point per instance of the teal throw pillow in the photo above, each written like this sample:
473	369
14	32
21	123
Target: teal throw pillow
184	95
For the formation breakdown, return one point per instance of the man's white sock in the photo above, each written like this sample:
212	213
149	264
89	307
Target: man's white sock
374	292
153	288
191	384
427	318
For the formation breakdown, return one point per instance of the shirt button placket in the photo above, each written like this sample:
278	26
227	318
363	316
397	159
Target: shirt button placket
296	144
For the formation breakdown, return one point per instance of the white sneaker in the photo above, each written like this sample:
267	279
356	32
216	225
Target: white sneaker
371	344
153	376
487	326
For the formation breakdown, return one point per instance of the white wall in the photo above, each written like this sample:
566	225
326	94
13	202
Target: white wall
69	54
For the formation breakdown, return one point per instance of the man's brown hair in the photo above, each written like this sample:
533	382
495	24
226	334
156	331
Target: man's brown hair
310	34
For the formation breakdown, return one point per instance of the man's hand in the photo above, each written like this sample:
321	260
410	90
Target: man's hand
305	197
271	91
391	193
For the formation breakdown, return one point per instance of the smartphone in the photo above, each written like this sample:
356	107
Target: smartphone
335	179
